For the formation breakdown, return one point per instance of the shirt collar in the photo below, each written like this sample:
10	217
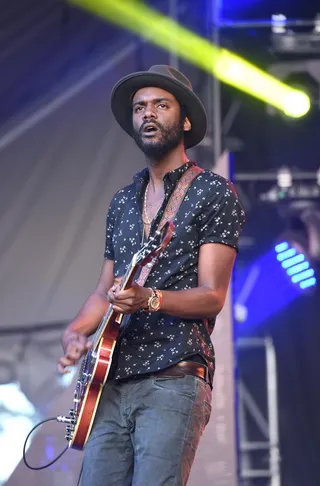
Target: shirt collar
173	176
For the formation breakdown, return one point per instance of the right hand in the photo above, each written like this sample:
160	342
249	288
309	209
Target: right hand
75	346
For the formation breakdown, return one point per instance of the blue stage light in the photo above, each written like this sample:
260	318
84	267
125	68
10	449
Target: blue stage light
284	255
296	265
263	289
293	261
282	247
308	283
299	277
298	268
268	285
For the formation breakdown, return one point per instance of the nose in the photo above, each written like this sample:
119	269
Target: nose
149	112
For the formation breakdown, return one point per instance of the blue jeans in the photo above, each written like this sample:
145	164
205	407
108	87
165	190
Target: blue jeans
146	432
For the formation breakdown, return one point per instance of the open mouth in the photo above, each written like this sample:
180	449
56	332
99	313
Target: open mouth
150	129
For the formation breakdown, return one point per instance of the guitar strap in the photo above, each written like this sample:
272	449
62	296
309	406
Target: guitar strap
171	210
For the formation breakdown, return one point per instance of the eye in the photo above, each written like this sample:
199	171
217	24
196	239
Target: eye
137	109
162	105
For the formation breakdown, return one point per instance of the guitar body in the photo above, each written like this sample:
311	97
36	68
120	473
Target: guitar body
95	366
92	378
86	416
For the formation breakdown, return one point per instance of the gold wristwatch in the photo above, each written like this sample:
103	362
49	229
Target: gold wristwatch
154	301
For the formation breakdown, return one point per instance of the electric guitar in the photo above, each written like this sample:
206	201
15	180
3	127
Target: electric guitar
96	364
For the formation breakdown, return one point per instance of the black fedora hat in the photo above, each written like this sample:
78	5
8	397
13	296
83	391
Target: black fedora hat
169	79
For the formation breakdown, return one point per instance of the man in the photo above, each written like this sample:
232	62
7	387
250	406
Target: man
156	403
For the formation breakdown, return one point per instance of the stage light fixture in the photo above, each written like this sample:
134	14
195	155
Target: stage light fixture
225	65
284	178
278	24
296	265
293	42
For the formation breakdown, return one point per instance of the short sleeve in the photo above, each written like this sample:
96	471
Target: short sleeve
222	218
109	250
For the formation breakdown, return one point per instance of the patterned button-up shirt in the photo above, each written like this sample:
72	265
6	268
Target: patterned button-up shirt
209	213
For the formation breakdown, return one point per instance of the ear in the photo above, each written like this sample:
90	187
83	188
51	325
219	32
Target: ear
186	124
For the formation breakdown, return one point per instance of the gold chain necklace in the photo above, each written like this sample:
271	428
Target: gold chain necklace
146	219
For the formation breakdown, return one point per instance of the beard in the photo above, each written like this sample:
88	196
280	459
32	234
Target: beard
168	138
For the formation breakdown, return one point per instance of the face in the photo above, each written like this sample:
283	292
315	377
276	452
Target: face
158	125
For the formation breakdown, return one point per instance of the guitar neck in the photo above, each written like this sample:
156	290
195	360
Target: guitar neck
111	314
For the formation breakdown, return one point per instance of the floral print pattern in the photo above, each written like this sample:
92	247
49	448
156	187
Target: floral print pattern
209	213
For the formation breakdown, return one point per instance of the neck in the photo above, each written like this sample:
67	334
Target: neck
158	168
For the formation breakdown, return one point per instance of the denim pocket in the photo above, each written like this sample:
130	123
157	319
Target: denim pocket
168	378
205	396
206	411
181	385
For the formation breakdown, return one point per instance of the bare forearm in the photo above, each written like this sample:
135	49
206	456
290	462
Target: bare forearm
89	317
197	303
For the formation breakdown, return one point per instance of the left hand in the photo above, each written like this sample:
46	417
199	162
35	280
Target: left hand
130	300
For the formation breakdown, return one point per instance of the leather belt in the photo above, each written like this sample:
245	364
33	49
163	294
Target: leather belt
184	368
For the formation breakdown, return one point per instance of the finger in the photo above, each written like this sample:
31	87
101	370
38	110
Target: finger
120	310
64	361
110	297
116	289
124	295
74	354
75	347
82	339
62	370
116	284
78	341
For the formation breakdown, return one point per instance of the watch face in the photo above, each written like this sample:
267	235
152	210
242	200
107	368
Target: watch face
155	302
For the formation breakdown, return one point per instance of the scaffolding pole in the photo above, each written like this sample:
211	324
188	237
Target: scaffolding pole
216	109
267	425
173	54
264	24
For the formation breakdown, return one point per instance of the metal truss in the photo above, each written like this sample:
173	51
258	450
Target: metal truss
258	431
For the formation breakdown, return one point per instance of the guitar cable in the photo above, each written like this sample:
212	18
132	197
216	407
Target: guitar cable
38	468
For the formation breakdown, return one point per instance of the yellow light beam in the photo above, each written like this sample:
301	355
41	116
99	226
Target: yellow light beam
228	67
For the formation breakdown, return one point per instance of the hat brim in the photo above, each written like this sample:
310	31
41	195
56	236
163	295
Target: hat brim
121	99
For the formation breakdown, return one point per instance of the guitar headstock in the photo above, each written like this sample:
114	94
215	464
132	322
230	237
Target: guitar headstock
155	245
